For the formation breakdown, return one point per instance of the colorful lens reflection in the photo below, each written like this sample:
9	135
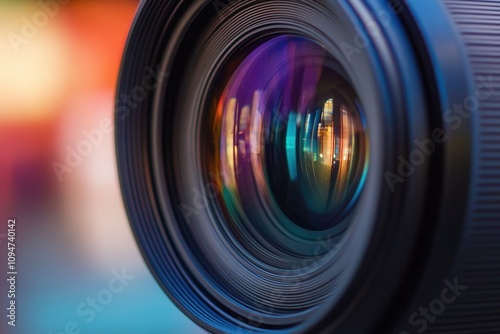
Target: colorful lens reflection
291	137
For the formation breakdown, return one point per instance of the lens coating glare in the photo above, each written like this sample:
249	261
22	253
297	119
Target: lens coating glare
290	137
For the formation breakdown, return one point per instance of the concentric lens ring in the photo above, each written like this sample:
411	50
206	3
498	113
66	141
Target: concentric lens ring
292	140
228	278
265	270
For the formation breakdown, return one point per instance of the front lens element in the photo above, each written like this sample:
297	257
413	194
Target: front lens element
290	136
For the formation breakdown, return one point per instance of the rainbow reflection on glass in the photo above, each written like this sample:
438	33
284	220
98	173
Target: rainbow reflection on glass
293	151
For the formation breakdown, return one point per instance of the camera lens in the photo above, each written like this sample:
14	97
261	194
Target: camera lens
295	166
289	128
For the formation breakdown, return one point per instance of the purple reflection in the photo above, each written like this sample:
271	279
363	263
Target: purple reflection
290	135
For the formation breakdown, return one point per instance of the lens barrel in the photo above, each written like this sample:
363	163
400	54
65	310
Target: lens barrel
300	166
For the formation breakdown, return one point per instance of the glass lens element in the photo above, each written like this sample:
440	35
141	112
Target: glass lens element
290	136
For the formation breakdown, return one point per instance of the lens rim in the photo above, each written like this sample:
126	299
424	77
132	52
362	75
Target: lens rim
288	229
267	170
151	209
392	117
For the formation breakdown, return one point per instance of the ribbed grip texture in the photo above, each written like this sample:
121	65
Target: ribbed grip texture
477	310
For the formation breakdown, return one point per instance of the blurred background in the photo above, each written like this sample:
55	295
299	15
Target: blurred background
79	269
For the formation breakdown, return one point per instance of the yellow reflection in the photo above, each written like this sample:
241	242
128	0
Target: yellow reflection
326	134
335	148
33	76
231	148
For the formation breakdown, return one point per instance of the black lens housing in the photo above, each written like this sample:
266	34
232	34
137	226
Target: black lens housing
416	226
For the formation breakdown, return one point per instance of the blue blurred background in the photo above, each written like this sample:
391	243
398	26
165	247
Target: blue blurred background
79	269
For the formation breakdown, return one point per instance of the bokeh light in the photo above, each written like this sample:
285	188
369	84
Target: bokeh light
59	63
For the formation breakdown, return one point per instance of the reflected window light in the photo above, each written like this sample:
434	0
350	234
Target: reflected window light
230	149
